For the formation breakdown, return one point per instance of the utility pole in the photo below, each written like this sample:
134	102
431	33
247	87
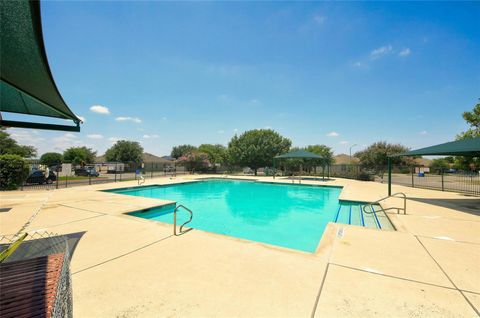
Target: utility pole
351	151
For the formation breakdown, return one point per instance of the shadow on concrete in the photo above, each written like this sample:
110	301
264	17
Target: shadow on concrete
471	206
44	243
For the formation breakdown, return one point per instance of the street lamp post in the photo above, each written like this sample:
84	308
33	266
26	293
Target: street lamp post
351	151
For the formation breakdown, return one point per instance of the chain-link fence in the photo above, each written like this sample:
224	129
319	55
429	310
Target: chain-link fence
35	278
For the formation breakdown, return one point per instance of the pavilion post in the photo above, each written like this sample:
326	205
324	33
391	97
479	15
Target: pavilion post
389	176
274	169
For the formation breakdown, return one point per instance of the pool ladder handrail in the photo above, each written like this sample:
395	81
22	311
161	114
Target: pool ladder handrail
371	204
181	226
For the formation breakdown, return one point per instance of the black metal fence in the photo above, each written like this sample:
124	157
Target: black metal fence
64	176
467	182
462	182
52	177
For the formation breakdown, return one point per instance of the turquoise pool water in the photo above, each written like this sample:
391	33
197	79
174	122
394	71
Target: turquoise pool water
292	216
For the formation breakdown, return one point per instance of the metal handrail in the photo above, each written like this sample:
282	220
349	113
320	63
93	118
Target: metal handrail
404	209
175	220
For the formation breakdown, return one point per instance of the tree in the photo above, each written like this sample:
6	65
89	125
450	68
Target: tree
439	164
325	152
215	153
125	151
256	148
13	171
79	155
194	160
8	145
473	120
375	157
51	159
182	150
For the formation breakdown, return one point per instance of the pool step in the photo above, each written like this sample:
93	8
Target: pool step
352	213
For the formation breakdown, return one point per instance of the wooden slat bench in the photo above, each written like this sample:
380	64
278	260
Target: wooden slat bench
28	288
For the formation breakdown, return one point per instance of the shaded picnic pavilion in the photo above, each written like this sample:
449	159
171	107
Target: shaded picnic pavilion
465	147
297	154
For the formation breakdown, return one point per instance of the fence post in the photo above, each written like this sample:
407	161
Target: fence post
66	181
89	179
413	172
151	171
58	177
443	186
115	172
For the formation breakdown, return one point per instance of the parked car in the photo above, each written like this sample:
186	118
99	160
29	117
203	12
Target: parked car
38	177
86	172
168	169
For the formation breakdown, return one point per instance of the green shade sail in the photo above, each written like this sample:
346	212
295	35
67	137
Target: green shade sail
299	154
27	85
466	147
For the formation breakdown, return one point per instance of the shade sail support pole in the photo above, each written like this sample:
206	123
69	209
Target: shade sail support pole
389	167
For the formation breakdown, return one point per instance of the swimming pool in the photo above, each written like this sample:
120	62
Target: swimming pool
292	216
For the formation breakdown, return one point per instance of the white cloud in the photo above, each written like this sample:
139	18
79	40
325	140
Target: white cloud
319	19
405	52
65	141
220	132
423	132
224	98
114	139
81	118
99	109
25	137
343	142
333	134
235	130
95	136
381	51
150	136
224	70
254	101
132	119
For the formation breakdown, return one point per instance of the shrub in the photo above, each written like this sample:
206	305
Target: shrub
364	176
13	172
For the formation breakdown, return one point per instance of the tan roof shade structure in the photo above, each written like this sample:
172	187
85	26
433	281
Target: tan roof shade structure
466	147
27	85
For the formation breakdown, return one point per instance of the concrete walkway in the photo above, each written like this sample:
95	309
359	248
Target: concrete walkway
124	266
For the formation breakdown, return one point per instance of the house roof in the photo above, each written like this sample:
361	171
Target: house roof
27	85
343	159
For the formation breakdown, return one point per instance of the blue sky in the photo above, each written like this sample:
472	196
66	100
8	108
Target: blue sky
319	73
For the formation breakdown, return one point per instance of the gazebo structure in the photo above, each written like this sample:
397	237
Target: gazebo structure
26	82
465	147
298	154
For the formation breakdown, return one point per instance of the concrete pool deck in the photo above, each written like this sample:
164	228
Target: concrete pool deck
125	266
